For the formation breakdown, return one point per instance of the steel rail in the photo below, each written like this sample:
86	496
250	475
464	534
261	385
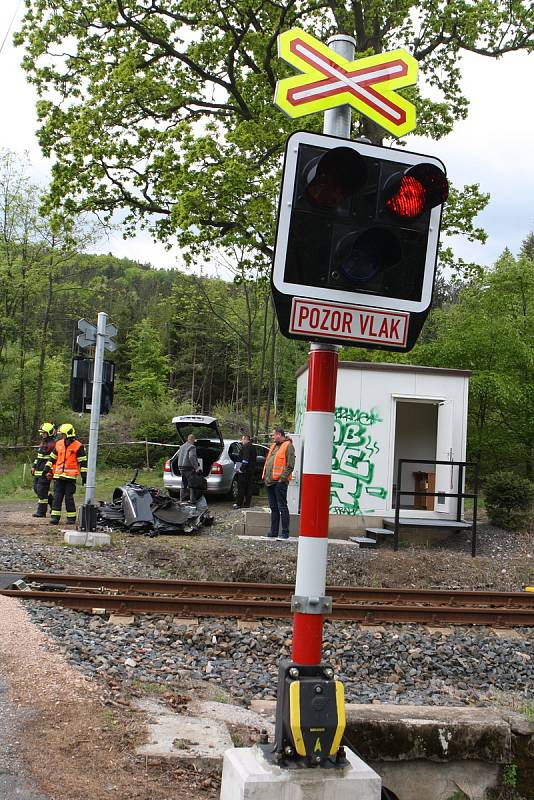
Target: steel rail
237	590
370	613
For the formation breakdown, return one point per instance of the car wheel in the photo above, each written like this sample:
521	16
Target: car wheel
174	493
233	490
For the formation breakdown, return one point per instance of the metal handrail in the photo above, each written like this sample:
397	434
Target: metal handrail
462	465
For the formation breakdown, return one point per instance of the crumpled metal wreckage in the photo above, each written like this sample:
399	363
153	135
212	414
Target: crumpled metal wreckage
141	509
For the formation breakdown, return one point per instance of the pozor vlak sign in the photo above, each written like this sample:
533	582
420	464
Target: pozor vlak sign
356	243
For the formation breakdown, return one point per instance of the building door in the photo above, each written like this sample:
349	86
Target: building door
445	476
416	432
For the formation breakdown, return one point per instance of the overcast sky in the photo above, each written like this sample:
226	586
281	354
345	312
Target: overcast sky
493	147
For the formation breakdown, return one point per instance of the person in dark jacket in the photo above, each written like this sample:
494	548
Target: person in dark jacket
41	481
245	473
187	465
67	461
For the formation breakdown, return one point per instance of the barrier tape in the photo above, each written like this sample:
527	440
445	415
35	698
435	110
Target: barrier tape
100	444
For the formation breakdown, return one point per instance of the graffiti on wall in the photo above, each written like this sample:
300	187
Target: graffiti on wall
300	410
353	462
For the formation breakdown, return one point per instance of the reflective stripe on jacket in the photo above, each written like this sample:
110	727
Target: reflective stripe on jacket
43	454
68	459
279	463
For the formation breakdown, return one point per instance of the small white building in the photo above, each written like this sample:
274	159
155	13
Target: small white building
385	412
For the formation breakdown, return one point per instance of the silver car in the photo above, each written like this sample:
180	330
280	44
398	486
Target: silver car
216	455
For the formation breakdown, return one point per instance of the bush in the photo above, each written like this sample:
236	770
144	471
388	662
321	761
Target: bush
509	499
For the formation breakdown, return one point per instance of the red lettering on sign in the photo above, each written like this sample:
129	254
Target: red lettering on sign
383	328
325	320
304	314
336	320
364	322
394	328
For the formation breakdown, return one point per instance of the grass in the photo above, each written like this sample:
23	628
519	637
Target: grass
468	503
146	687
16	485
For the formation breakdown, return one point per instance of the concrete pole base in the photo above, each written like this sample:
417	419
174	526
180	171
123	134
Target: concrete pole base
247	775
86	539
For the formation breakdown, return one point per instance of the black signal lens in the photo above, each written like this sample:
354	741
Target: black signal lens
333	177
361	257
420	188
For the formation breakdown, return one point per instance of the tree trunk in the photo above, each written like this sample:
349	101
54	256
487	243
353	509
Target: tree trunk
270	387
193	378
42	357
264	344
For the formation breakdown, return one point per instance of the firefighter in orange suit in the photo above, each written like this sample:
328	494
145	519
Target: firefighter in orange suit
67	461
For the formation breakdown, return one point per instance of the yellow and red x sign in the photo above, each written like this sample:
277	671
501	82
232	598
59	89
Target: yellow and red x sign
329	80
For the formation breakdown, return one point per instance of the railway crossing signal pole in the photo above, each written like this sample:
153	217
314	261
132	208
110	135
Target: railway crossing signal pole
309	602
354	263
303	680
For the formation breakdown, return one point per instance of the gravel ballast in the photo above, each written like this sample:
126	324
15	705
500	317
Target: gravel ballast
392	664
407	664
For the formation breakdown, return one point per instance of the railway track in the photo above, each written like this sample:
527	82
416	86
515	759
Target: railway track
253	601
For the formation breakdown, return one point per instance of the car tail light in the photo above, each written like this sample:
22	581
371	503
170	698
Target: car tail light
167	466
216	469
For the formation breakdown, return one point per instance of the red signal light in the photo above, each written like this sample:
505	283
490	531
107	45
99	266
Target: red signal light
410	200
421	187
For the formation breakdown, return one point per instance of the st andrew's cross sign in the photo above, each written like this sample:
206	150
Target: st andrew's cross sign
328	80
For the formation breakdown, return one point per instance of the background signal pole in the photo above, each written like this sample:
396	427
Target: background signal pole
101	338
95	406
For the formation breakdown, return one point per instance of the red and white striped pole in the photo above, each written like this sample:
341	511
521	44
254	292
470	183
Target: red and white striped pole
318	432
318	429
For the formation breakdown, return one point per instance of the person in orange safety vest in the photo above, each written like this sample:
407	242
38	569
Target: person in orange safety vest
67	461
277	473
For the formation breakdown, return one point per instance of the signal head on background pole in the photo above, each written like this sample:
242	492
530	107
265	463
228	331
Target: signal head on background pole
356	245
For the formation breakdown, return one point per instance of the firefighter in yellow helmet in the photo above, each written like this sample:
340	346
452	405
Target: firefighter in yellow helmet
67	461
41	481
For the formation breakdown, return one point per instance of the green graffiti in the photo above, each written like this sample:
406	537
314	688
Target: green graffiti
300	410
353	468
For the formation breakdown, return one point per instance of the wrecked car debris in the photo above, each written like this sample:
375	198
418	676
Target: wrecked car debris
145	510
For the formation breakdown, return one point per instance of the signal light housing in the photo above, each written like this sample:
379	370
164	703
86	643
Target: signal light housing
358	228
419	189
334	176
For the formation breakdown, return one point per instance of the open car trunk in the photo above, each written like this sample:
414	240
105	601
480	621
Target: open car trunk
209	439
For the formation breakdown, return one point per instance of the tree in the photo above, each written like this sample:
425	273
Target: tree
148	378
165	109
490	330
37	257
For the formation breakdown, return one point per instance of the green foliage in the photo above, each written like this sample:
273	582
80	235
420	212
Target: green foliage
509	775
180	131
509	498
148	376
489	329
